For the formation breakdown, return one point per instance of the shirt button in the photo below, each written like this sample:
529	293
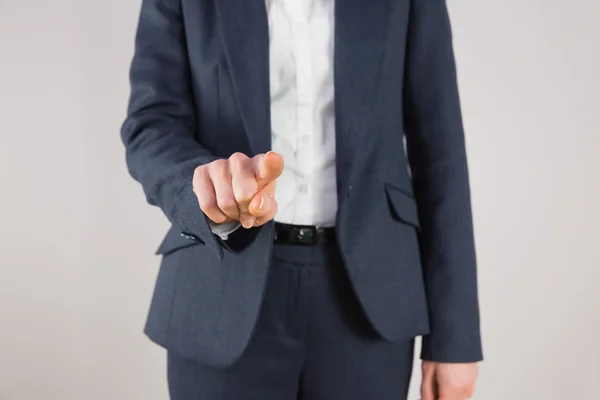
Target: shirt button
302	188
305	139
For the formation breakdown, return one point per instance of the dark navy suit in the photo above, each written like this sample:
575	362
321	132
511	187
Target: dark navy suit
200	92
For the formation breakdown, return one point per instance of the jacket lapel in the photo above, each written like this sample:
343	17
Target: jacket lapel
245	33
360	35
360	30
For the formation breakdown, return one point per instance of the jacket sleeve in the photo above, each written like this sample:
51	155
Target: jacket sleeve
436	152
161	150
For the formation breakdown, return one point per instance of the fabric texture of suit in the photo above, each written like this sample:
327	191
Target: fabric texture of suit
200	92
311	341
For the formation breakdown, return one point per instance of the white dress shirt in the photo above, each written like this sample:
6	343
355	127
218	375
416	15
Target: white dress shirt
302	111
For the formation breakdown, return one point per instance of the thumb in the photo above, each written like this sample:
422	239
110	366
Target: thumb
267	168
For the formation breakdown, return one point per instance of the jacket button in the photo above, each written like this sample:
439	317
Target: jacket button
187	236
349	191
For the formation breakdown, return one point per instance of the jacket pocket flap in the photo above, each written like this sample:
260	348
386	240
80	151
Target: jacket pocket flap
403	205
175	240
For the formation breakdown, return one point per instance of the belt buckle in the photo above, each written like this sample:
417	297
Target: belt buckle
305	235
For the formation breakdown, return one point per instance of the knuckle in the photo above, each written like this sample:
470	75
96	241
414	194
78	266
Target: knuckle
244	196
238	158
200	172
218	165
227	203
207	203
245	191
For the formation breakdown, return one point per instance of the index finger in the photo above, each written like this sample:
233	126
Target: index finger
267	167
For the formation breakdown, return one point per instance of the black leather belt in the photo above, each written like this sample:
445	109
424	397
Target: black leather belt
303	235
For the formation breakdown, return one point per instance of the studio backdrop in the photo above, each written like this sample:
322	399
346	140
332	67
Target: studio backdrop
77	267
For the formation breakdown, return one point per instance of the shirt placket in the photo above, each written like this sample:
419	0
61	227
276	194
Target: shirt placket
304	114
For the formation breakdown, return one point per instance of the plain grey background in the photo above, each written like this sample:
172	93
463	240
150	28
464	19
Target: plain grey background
77	239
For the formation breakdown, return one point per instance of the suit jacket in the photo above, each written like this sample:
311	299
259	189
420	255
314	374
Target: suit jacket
200	92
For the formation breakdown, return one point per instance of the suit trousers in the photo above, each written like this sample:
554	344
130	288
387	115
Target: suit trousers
311	341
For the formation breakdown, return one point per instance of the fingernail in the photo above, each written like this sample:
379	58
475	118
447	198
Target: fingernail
262	202
248	223
269	152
